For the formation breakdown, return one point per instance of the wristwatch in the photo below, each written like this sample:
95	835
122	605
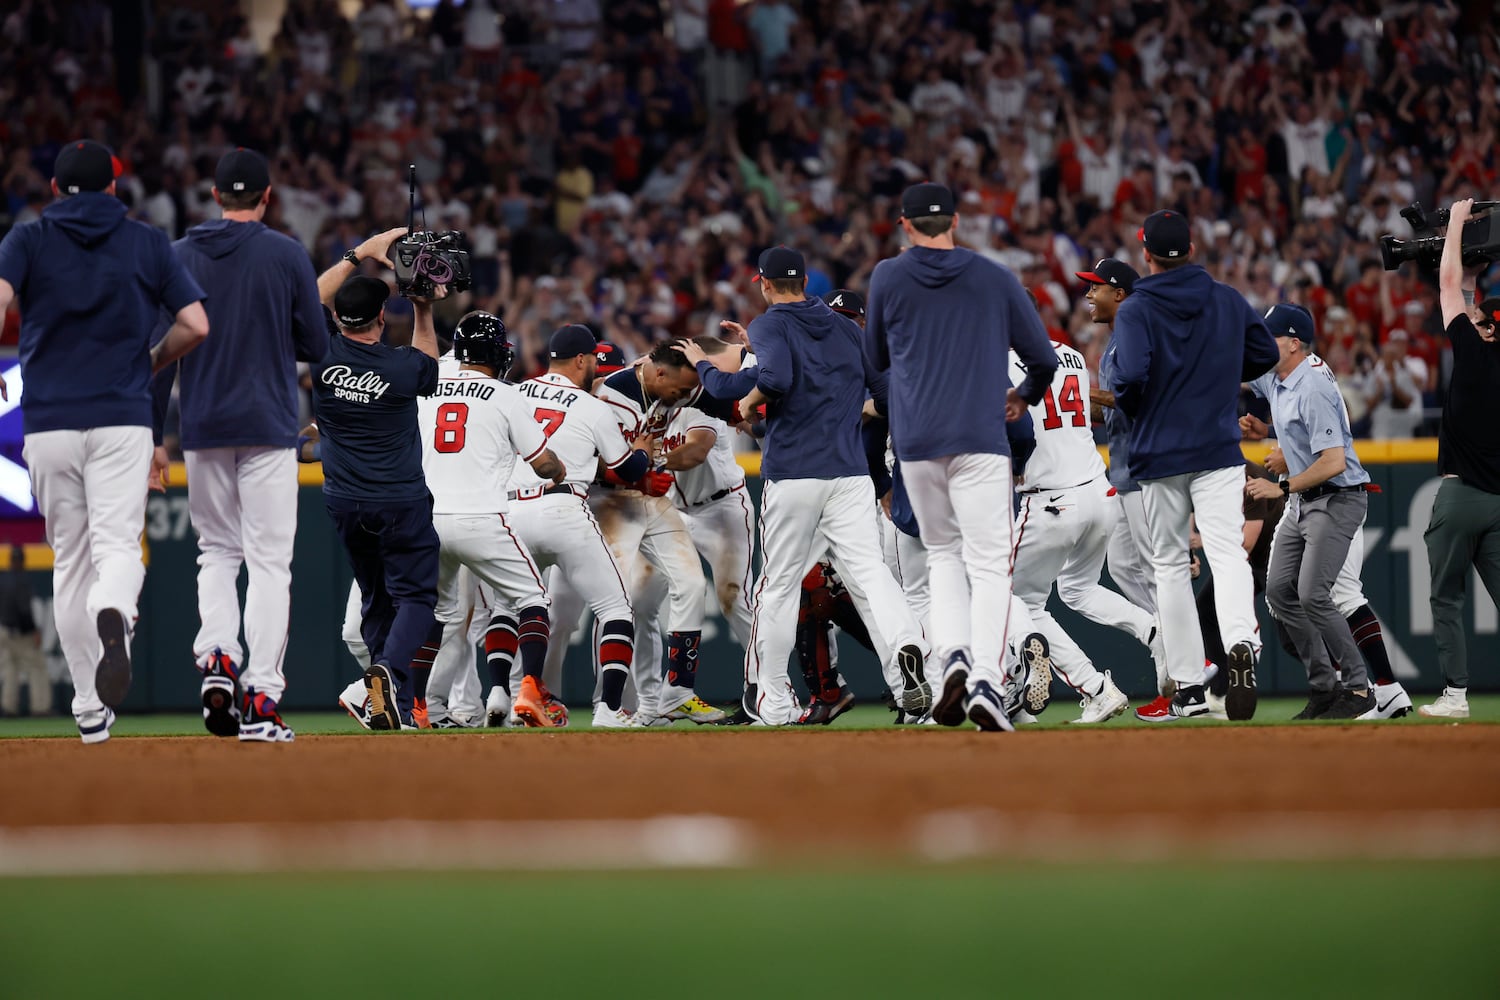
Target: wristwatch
352	257
1286	487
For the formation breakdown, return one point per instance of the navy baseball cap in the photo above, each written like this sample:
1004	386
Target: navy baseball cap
571	341
780	262
85	166
611	359
1111	272
1287	320
242	170
926	199
359	300
1167	234
846	301
1490	307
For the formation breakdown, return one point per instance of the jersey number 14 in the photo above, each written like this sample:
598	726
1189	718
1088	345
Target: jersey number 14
1068	400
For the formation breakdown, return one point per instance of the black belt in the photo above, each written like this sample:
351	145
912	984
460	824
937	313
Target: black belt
1324	489
717	496
534	492
1055	489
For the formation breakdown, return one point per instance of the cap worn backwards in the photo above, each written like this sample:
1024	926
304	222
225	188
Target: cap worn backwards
571	341
359	300
1490	307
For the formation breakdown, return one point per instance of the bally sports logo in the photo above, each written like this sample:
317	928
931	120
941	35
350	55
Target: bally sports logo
361	388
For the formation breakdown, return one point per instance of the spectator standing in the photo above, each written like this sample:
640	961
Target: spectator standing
1184	344
21	643
90	284
1464	533
239	406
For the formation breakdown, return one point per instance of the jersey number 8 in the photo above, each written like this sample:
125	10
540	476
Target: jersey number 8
1069	400
452	418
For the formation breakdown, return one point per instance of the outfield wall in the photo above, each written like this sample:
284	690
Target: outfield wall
318	665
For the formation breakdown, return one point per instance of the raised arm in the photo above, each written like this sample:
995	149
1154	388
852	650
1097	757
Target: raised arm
1452	282
376	248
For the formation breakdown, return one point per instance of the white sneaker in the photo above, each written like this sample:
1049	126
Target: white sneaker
1453	704
1108	703
497	709
94	726
1216	707
1023	718
609	718
355	700
1391	702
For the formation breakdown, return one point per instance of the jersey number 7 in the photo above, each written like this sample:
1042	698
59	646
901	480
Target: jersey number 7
550	420
1069	400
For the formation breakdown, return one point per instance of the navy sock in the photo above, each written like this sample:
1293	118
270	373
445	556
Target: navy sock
616	648
500	644
682	658
1371	642
532	638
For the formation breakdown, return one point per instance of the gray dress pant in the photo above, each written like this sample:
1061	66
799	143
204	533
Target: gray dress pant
1299	586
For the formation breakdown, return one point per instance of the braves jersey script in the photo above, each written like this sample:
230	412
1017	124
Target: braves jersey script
1065	454
577	425
472	428
718	472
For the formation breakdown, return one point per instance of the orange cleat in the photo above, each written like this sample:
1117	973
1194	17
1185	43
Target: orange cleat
419	713
536	707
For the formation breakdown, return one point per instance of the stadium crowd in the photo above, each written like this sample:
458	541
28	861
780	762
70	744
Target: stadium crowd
622	163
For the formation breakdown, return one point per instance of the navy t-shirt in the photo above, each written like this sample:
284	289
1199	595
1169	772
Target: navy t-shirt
365	400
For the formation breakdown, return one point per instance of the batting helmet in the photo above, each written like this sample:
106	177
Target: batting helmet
481	339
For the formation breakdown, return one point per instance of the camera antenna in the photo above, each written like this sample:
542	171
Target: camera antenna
411	183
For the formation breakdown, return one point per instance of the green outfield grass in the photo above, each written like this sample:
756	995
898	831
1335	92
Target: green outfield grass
1272	711
1392	930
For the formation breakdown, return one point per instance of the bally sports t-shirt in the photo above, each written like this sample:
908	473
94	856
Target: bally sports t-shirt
365	402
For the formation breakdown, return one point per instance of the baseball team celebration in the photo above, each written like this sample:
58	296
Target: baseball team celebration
669	478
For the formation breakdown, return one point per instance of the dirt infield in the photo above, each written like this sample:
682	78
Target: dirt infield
942	794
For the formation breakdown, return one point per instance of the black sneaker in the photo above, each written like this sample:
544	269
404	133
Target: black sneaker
112	677
1240	695
221	696
1189	702
1348	705
1036	657
1317	704
949	710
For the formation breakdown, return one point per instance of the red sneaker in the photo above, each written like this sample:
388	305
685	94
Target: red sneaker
1159	710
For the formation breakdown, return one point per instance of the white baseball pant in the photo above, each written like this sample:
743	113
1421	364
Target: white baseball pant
801	519
1061	537
906	558
963	504
648	591
1217	498
454	688
243	503
486	544
723	531
90	485
636	525
1129	553
350	632
568	611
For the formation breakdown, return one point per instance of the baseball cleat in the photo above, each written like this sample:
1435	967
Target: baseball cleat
986	711
1036	654
1391	702
696	710
380	687
1108	703
535	707
497	708
355	700
949	708
1453	703
916	693
611	718
1023	718
1189	702
458	721
419	717
1158	709
1215	706
260	722
1239	699
221	696
94	726
821	713
112	678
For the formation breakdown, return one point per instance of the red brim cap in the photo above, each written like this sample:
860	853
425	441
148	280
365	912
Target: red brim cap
119	167
1090	277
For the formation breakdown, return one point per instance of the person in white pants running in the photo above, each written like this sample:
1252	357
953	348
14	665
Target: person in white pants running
943	319
1184	343
818	495
90	284
239	405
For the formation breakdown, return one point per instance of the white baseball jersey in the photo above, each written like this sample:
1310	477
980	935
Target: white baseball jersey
1065	453
718	472
577	425
472	428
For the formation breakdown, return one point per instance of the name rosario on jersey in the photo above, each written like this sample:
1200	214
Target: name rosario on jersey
468	388
543	393
360	388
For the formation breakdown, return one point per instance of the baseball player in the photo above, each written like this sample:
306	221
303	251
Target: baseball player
473	427
639	520
818	495
1184	343
942	320
556	521
239	405
91	284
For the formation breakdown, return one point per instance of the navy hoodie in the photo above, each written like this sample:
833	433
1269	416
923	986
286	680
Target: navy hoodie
809	364
943	322
239	388
91	284
1183	343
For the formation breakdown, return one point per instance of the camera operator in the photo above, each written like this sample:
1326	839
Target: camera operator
1465	528
365	399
